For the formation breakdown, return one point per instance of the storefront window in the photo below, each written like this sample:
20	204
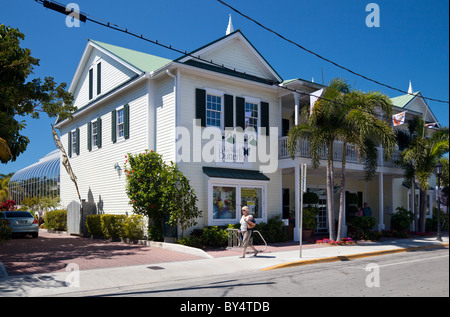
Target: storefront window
251	197
224	202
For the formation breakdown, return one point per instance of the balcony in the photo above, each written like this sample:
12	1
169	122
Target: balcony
351	153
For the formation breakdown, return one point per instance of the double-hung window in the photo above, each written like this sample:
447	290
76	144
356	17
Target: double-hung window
94	130
251	115
213	110
120	123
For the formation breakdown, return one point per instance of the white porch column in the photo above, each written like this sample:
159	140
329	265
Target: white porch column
297	191
381	202
297	107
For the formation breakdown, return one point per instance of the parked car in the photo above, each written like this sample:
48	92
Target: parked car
21	222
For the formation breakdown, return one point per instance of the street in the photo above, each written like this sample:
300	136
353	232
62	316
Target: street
420	273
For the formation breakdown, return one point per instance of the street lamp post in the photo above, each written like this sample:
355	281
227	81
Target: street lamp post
438	171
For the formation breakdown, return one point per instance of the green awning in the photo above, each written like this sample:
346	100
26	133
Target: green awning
234	173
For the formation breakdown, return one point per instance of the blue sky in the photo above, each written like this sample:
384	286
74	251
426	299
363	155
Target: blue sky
410	44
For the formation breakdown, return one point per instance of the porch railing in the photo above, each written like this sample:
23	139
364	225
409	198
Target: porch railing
351	153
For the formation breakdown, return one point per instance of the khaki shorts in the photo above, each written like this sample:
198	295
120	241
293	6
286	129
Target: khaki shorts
246	241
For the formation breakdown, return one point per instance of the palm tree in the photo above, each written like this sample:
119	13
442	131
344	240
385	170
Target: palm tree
424	152
321	129
364	127
350	116
405	138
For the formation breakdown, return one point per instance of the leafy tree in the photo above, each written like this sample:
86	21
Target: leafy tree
161	192
19	97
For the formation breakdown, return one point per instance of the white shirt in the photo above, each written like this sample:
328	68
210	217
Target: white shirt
244	226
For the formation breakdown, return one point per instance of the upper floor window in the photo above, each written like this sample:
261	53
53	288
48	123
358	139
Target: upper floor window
120	123
213	110
251	115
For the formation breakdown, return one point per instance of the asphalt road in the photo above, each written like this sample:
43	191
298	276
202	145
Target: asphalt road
417	274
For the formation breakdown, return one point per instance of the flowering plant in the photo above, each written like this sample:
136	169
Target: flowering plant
343	241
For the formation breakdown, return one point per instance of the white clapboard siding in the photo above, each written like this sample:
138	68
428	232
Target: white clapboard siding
193	170
165	118
113	74
236	55
97	179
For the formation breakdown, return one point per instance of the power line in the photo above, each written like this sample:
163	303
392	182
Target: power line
321	57
56	6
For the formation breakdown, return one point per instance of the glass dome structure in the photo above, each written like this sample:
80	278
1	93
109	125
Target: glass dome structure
40	179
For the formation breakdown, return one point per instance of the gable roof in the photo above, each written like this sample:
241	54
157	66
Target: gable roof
404	100
253	54
142	61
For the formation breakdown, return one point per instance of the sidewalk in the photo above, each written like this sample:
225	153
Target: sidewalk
215	263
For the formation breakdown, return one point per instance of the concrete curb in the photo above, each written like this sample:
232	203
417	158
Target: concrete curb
352	256
177	248
155	244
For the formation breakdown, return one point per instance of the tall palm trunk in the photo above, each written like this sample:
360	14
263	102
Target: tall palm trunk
342	194
330	191
423	211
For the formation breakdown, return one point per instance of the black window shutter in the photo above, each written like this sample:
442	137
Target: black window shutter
265	116
200	106
89	136
126	121
229	112
91	83
99	133
113	126
70	143
99	77
240	112
77	145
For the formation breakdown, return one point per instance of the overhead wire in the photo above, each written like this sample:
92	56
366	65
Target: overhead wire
116	27
321	57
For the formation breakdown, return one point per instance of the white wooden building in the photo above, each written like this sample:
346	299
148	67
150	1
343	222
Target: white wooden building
192	112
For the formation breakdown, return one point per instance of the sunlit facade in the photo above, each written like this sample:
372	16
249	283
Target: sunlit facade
40	179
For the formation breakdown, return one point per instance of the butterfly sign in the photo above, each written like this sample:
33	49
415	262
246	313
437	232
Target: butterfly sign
398	119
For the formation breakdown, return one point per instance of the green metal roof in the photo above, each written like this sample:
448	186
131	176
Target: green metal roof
142	61
234	173
402	101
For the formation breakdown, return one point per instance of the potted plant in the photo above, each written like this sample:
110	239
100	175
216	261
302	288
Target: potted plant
309	221
310	214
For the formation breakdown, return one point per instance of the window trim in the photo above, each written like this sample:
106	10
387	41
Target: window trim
118	137
257	102
217	93
238	184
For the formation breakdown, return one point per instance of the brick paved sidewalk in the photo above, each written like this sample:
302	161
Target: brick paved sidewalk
52	252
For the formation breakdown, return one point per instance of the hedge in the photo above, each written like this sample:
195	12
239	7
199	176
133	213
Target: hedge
56	219
116	226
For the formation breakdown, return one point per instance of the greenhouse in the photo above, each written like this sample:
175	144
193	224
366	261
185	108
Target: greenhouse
40	179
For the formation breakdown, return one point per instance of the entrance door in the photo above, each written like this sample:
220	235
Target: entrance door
322	217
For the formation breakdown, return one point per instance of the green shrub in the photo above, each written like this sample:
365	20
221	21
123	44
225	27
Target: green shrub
133	227
94	225
112	226
56	219
402	220
5	231
272	231
360	228
116	226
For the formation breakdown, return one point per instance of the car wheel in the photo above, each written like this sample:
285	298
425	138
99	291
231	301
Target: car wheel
34	234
